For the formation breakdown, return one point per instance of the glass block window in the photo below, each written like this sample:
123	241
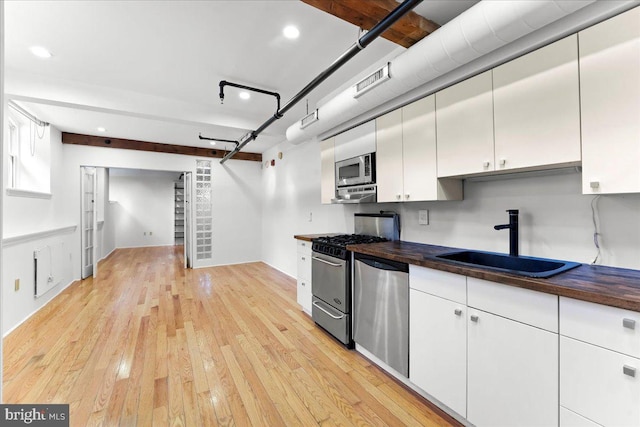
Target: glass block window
204	211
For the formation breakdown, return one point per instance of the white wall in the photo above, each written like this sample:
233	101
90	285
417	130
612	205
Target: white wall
555	218
291	192
1	169
26	216
144	207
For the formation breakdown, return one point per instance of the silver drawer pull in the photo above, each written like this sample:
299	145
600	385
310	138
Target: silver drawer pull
629	323
327	262
457	312
474	318
629	370
315	303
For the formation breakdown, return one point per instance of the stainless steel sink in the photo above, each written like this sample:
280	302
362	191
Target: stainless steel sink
520	265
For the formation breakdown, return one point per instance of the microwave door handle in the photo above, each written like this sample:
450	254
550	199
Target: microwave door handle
326	262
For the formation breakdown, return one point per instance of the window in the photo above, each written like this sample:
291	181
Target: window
28	155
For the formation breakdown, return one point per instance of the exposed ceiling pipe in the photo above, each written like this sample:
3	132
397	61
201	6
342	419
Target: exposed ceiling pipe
362	43
483	28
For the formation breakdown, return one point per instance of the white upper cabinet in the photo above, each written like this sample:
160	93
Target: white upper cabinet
356	142
536	108
406	156
610	101
327	171
464	116
389	157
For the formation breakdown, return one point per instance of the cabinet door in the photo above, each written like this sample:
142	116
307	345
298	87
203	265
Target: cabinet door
438	348
356	141
512	373
599	384
389	157
610	101
304	294
419	150
327	171
536	108
464	116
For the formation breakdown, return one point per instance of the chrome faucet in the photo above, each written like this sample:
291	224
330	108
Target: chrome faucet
513	231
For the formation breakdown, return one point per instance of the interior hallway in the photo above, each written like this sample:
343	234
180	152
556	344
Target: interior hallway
150	343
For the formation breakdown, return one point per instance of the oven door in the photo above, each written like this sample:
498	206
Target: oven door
330	280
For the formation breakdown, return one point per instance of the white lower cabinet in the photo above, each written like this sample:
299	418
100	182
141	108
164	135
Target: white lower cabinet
438	346
487	351
599	367
512	373
304	275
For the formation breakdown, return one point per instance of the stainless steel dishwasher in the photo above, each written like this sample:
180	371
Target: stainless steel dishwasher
381	309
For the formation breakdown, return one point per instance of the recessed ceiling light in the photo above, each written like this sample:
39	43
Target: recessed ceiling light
101	129
291	32
244	95
213	143
40	52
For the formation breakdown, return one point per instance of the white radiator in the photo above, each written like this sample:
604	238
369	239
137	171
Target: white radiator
48	268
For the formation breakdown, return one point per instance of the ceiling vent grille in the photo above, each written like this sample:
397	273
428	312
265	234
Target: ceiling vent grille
371	81
308	119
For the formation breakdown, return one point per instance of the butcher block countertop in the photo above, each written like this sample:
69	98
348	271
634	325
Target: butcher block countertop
617	287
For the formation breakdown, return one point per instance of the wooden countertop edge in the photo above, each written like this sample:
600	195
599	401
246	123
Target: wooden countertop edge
310	237
570	284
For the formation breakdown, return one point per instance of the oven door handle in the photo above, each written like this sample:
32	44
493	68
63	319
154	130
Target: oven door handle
326	262
315	303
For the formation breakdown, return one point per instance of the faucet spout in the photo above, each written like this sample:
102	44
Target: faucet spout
513	231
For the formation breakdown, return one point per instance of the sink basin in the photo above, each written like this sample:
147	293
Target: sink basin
521	265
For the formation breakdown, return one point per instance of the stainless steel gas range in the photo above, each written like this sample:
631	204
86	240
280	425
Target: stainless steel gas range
331	271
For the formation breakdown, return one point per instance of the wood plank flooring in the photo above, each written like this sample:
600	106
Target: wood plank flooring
149	343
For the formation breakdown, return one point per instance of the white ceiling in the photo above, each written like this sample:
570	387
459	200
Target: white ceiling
149	70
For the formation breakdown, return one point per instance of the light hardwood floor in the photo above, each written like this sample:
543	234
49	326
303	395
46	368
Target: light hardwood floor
149	343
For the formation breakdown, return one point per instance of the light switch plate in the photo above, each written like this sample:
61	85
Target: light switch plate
423	217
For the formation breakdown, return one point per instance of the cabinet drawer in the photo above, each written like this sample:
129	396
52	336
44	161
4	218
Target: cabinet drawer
571	419
304	266
593	383
439	283
304	247
608	327
523	305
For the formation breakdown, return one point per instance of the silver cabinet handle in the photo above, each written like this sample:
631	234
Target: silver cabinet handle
474	318
327	262
629	370
315	303
303	258
303	284
629	323
457	312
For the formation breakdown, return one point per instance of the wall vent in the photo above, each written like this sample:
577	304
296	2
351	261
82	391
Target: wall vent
372	80
308	119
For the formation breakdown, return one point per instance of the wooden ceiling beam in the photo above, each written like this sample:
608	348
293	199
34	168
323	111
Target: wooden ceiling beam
130	144
409	30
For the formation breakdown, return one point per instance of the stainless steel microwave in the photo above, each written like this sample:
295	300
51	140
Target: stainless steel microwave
356	171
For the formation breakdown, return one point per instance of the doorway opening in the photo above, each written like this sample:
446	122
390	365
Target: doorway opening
127	208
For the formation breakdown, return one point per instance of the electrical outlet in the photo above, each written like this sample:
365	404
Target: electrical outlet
423	217
16	285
